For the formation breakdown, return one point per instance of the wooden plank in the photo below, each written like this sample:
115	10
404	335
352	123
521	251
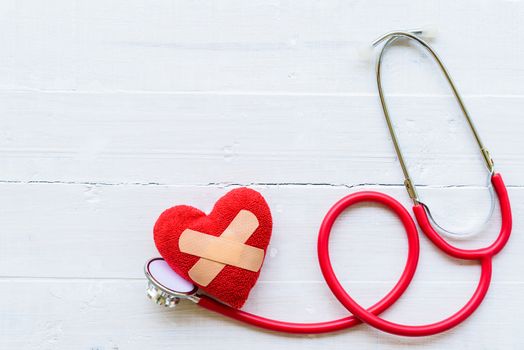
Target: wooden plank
114	111
250	46
209	138
65	314
77	231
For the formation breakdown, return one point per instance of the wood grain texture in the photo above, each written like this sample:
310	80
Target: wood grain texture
209	138
112	111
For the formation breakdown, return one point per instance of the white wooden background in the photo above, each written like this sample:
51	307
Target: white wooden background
112	111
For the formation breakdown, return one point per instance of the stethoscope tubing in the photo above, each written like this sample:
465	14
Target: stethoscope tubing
472	254
370	316
347	322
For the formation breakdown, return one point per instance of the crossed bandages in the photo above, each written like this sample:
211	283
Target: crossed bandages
229	248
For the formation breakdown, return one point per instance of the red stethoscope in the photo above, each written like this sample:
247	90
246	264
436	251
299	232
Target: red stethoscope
168	287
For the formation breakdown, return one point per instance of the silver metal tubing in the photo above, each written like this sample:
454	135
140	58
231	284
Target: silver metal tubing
389	39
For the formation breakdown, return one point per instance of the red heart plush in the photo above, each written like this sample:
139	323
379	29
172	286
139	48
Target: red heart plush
233	284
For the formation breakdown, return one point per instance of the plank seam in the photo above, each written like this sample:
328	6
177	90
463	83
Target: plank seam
235	184
249	93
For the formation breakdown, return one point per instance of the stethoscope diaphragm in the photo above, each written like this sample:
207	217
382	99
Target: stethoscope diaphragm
166	287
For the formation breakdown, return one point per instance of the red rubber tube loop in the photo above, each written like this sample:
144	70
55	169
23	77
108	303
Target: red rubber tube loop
396	328
346	322
485	255
472	254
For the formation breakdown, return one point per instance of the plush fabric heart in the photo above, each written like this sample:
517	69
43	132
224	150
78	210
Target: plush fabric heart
232	284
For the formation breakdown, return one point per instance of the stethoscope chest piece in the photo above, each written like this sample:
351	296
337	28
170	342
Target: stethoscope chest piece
165	286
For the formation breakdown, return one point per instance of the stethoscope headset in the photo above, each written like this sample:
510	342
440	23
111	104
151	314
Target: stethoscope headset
167	288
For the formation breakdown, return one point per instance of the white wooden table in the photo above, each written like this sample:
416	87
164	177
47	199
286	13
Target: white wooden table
112	111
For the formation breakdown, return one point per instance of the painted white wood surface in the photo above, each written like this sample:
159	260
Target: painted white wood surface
112	111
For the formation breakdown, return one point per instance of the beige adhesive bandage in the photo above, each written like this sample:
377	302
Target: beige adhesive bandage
221	250
239	231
